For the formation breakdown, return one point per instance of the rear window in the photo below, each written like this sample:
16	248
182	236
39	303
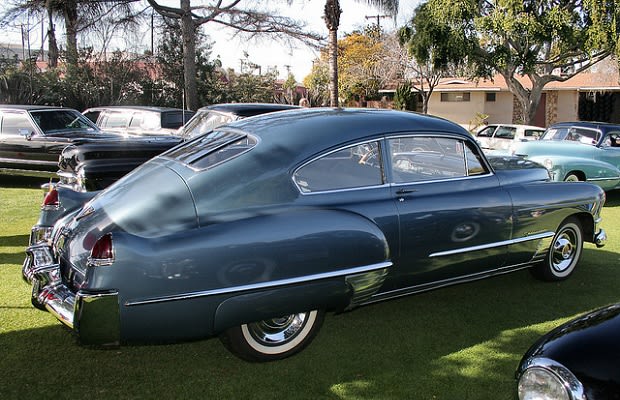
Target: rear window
212	149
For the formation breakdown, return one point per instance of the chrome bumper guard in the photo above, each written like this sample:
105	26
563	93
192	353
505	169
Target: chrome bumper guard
93	315
600	238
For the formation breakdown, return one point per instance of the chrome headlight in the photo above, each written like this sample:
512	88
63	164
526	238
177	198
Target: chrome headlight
548	163
545	379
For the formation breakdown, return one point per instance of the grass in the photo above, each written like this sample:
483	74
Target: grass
461	342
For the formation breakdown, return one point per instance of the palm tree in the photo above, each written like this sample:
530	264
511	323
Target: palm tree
332	21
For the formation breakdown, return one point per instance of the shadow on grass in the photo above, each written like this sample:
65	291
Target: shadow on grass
22	181
458	342
613	198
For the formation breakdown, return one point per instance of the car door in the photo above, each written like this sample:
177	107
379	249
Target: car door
454	217
610	149
22	145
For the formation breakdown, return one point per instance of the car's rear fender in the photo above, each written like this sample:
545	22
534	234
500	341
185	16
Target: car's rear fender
69	200
258	267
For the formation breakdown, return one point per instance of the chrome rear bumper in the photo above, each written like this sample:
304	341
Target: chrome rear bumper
600	238
94	316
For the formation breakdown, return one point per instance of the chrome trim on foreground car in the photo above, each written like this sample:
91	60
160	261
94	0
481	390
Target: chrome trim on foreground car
353	275
541	373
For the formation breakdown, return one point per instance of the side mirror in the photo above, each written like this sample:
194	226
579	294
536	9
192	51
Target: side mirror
26	133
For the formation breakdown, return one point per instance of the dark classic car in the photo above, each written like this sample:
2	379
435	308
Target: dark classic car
576	361
96	164
32	137
254	230
139	120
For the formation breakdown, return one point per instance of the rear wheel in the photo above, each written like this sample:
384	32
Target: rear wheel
564	253
273	339
572	177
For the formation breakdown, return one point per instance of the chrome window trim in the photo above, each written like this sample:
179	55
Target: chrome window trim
260	286
458	178
537	236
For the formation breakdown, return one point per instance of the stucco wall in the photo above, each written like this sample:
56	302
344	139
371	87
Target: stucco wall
500	110
462	113
567	106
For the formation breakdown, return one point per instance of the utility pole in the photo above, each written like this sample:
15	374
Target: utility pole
378	17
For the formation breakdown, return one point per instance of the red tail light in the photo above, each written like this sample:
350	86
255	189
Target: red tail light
51	198
103	251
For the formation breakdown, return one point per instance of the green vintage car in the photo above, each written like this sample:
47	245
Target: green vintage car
578	151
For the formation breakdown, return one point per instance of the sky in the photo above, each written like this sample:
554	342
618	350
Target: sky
266	53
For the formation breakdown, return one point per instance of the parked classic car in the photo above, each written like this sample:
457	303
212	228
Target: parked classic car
97	164
578	151
576	361
501	136
139	120
256	229
32	137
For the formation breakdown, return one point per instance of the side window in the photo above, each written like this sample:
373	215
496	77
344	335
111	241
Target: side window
486	132
352	167
115	120
585	136
13	122
419	159
505	132
533	134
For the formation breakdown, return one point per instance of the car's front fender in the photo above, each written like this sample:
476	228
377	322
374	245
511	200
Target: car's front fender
594	170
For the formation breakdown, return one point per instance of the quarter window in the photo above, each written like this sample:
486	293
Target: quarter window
352	167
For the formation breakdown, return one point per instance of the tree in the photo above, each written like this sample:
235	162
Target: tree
435	49
170	59
358	60
76	15
331	16
317	82
539	40
248	21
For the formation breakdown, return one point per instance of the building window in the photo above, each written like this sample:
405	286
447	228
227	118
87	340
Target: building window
454	96
490	96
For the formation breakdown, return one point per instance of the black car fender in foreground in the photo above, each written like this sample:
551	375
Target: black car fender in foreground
576	361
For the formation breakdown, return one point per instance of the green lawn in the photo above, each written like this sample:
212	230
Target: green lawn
462	342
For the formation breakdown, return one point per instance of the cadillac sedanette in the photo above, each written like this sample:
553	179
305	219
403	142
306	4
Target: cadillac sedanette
253	231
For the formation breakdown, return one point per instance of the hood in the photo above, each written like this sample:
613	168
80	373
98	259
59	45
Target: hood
513	170
590	347
121	147
550	147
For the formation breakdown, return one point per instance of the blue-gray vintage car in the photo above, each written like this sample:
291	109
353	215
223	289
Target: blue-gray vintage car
254	230
578	151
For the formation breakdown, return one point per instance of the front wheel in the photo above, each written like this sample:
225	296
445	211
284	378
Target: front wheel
564	253
572	178
273	339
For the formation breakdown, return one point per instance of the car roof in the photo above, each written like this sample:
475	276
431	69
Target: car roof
587	124
309	130
31	107
141	108
519	126
249	109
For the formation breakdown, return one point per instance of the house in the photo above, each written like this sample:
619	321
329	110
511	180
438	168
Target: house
588	96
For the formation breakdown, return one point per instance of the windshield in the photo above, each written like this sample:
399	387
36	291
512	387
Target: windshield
54	121
203	122
580	135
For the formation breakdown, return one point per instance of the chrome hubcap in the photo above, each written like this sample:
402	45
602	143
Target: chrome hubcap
276	331
563	251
